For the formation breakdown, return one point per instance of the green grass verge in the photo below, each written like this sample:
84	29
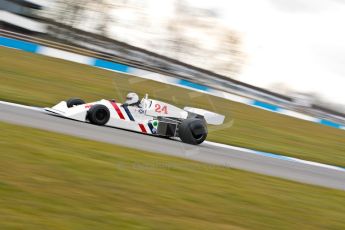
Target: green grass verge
54	181
37	80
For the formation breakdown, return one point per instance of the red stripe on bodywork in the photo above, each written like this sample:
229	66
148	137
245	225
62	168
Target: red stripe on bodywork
142	127
117	109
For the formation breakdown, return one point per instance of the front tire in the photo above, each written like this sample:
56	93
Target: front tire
98	114
73	102
192	131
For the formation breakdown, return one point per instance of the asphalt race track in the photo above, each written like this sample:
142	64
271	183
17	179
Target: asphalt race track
207	152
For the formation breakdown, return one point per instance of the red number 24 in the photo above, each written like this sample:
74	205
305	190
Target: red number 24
161	109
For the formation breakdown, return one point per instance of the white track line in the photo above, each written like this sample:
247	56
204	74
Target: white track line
276	156
22	106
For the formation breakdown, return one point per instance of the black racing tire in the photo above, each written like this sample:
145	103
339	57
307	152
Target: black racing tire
74	101
98	114
192	131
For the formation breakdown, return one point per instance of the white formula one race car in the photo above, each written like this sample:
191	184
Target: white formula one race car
146	116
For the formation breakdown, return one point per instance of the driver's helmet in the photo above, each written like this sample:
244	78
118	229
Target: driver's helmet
132	99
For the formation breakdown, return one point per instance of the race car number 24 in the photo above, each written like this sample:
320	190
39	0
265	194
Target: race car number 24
161	109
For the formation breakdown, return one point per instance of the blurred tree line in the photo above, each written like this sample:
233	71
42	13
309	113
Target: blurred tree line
192	35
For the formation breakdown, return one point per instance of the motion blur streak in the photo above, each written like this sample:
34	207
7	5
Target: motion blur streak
113	66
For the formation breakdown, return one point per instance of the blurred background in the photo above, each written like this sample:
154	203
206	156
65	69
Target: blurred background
288	53
281	53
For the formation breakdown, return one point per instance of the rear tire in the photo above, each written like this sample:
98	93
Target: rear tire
98	114
74	101
192	131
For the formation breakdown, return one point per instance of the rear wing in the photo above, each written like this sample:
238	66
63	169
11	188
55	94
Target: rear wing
210	117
